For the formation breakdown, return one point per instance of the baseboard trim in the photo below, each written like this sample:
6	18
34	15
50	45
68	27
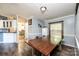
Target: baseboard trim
69	45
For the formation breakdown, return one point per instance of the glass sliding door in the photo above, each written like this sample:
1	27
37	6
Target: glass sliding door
56	32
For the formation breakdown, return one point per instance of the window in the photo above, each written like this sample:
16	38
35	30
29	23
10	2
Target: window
56	32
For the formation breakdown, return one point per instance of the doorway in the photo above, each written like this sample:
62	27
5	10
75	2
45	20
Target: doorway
56	32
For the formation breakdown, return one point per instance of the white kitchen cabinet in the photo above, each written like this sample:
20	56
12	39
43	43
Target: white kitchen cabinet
10	23
9	38
1	24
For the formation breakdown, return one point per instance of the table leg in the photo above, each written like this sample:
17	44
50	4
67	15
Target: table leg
60	46
49	55
32	52
44	55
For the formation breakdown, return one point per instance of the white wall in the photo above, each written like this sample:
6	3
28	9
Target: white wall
69	38
77	28
68	28
36	30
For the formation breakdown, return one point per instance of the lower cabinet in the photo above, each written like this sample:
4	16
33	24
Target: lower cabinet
1	37
9	38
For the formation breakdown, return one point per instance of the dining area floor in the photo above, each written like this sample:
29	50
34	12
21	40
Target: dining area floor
23	49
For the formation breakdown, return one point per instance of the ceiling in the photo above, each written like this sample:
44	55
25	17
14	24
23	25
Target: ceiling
54	10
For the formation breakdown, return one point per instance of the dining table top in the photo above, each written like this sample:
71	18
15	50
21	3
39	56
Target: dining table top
43	46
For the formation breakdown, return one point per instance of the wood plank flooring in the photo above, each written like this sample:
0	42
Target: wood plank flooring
14	49
65	51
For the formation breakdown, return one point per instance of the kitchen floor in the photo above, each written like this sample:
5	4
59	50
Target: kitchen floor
22	49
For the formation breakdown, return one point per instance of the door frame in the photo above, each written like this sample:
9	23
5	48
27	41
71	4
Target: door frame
62	28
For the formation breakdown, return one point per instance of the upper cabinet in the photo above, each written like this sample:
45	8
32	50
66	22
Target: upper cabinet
8	24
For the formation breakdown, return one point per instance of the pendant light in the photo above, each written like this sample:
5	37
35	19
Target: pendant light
43	9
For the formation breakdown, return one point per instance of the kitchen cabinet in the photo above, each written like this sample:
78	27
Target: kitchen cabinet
8	25
9	37
1	37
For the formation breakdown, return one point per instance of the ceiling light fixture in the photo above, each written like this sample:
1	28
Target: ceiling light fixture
43	9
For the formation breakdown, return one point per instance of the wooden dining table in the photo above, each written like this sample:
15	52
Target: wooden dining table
43	46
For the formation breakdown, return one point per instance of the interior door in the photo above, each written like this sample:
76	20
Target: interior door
56	32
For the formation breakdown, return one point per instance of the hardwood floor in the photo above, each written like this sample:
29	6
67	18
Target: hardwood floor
65	51
8	49
14	49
